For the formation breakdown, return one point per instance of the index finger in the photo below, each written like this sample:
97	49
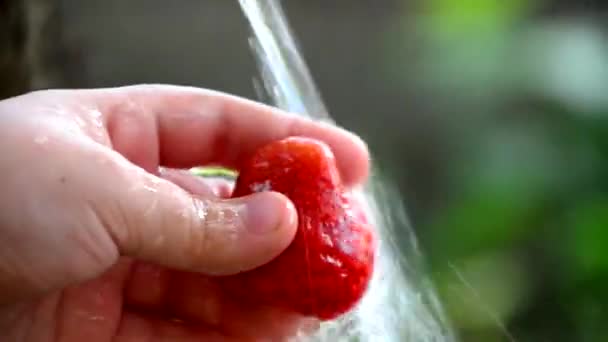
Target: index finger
183	127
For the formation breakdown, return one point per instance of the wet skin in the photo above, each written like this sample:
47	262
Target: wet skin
84	195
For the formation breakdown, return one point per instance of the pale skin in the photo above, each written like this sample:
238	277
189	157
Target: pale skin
104	238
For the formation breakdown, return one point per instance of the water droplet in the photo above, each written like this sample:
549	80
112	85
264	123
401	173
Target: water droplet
89	316
261	187
261	164
331	260
41	140
80	121
149	188
97	117
201	211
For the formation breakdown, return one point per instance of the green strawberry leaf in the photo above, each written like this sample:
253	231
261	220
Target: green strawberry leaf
214	172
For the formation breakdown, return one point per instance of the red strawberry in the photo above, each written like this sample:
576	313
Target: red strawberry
326	269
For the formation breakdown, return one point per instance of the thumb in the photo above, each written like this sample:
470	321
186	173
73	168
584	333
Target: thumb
154	220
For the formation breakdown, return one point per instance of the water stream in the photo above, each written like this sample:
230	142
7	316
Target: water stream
401	304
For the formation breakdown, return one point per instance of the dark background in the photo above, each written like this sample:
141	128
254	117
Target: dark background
491	115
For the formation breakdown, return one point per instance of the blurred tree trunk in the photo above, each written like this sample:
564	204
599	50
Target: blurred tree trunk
14	78
32	52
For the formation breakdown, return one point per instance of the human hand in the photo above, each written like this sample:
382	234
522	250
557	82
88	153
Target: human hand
99	243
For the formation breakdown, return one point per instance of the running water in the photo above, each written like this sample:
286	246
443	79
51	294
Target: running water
401	303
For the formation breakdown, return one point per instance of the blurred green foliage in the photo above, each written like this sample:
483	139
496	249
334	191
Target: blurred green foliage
519	250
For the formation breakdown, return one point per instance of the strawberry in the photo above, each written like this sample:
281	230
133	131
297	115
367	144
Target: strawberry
325	271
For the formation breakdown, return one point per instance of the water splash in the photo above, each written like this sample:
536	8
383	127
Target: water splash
401	304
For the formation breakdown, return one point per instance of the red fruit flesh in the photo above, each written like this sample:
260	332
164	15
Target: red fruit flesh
326	269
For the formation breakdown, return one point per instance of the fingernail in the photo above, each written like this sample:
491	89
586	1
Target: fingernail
268	212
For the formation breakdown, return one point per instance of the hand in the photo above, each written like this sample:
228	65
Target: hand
98	243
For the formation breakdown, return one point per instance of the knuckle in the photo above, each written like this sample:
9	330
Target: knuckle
97	250
212	233
196	228
115	221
